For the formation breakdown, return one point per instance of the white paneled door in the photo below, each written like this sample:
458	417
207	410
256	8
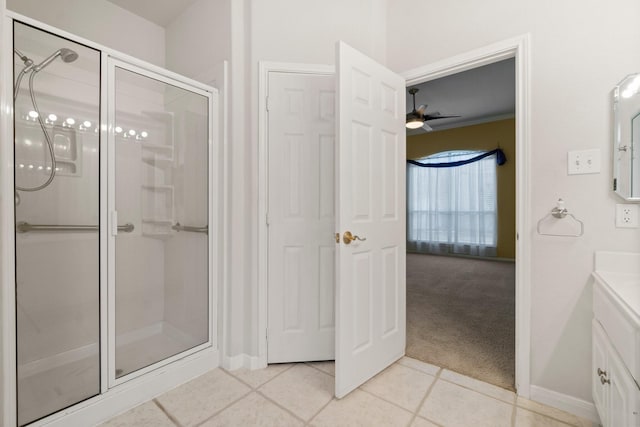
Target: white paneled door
301	224
370	218
330	296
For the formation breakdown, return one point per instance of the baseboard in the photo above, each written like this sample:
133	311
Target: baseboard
231	363
567	403
252	362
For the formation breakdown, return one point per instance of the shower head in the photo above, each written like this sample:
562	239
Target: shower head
67	55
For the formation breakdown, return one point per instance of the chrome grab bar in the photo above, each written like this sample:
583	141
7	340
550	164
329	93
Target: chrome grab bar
190	228
24	227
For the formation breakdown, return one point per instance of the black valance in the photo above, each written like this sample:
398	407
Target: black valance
501	159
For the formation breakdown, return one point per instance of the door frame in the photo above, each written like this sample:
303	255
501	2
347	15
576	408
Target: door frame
264	68
519	48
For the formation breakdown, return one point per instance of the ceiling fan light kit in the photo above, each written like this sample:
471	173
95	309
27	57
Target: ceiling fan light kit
416	119
414	123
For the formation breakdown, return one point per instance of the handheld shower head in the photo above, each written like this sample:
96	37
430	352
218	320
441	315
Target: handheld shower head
67	55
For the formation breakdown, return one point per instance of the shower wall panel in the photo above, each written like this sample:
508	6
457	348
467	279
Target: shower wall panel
57	272
139	259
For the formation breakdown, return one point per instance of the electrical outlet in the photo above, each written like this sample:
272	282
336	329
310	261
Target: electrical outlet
582	162
626	216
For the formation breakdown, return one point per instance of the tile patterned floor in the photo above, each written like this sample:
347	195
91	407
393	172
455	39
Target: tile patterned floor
408	393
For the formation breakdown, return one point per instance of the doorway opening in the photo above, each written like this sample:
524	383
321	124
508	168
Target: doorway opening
467	296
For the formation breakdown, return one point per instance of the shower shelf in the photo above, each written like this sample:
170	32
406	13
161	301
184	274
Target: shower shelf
158	220
157	147
160	162
157	193
152	187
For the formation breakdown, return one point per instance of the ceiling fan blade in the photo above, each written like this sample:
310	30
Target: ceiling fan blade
426	127
421	109
438	116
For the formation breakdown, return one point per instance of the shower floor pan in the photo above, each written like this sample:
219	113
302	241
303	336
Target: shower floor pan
49	385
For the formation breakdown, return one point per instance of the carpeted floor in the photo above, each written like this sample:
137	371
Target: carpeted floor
461	316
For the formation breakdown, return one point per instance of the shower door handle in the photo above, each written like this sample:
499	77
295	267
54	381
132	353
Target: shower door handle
114	223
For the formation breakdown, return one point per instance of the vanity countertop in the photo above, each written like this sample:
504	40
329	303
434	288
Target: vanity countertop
624	289
618	274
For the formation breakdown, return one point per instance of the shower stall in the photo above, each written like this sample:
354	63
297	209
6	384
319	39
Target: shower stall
115	217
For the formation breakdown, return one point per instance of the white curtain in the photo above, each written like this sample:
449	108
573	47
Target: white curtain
452	209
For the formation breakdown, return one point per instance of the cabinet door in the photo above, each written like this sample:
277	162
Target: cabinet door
599	364
623	394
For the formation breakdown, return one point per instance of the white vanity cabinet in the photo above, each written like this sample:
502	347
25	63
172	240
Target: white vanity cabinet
615	392
616	339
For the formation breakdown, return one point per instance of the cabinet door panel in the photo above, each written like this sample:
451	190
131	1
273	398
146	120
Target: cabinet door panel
623	394
599	362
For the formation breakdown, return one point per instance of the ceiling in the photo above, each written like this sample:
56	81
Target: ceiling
161	12
479	95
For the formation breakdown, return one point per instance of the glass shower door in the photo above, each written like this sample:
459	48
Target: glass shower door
160	134
57	140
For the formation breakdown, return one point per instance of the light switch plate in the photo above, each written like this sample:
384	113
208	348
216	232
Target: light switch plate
626	215
583	162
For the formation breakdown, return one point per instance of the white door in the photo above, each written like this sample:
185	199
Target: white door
370	190
301	252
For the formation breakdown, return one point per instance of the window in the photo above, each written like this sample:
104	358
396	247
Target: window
452	209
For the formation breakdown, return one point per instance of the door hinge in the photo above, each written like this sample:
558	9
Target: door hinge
266	219
267	102
266	335
615	184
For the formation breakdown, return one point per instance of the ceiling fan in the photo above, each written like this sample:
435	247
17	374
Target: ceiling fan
417	118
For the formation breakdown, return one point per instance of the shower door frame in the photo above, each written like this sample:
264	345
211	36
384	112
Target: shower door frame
113	63
115	396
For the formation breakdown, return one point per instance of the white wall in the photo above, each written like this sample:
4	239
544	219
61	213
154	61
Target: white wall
101	22
580	50
306	31
199	39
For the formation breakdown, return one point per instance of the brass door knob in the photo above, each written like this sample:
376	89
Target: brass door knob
347	237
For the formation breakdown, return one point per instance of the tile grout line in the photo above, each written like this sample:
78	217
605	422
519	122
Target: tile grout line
483	393
218	412
259	393
167	413
385	400
571	424
260	385
308	423
419	370
314	367
426	395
